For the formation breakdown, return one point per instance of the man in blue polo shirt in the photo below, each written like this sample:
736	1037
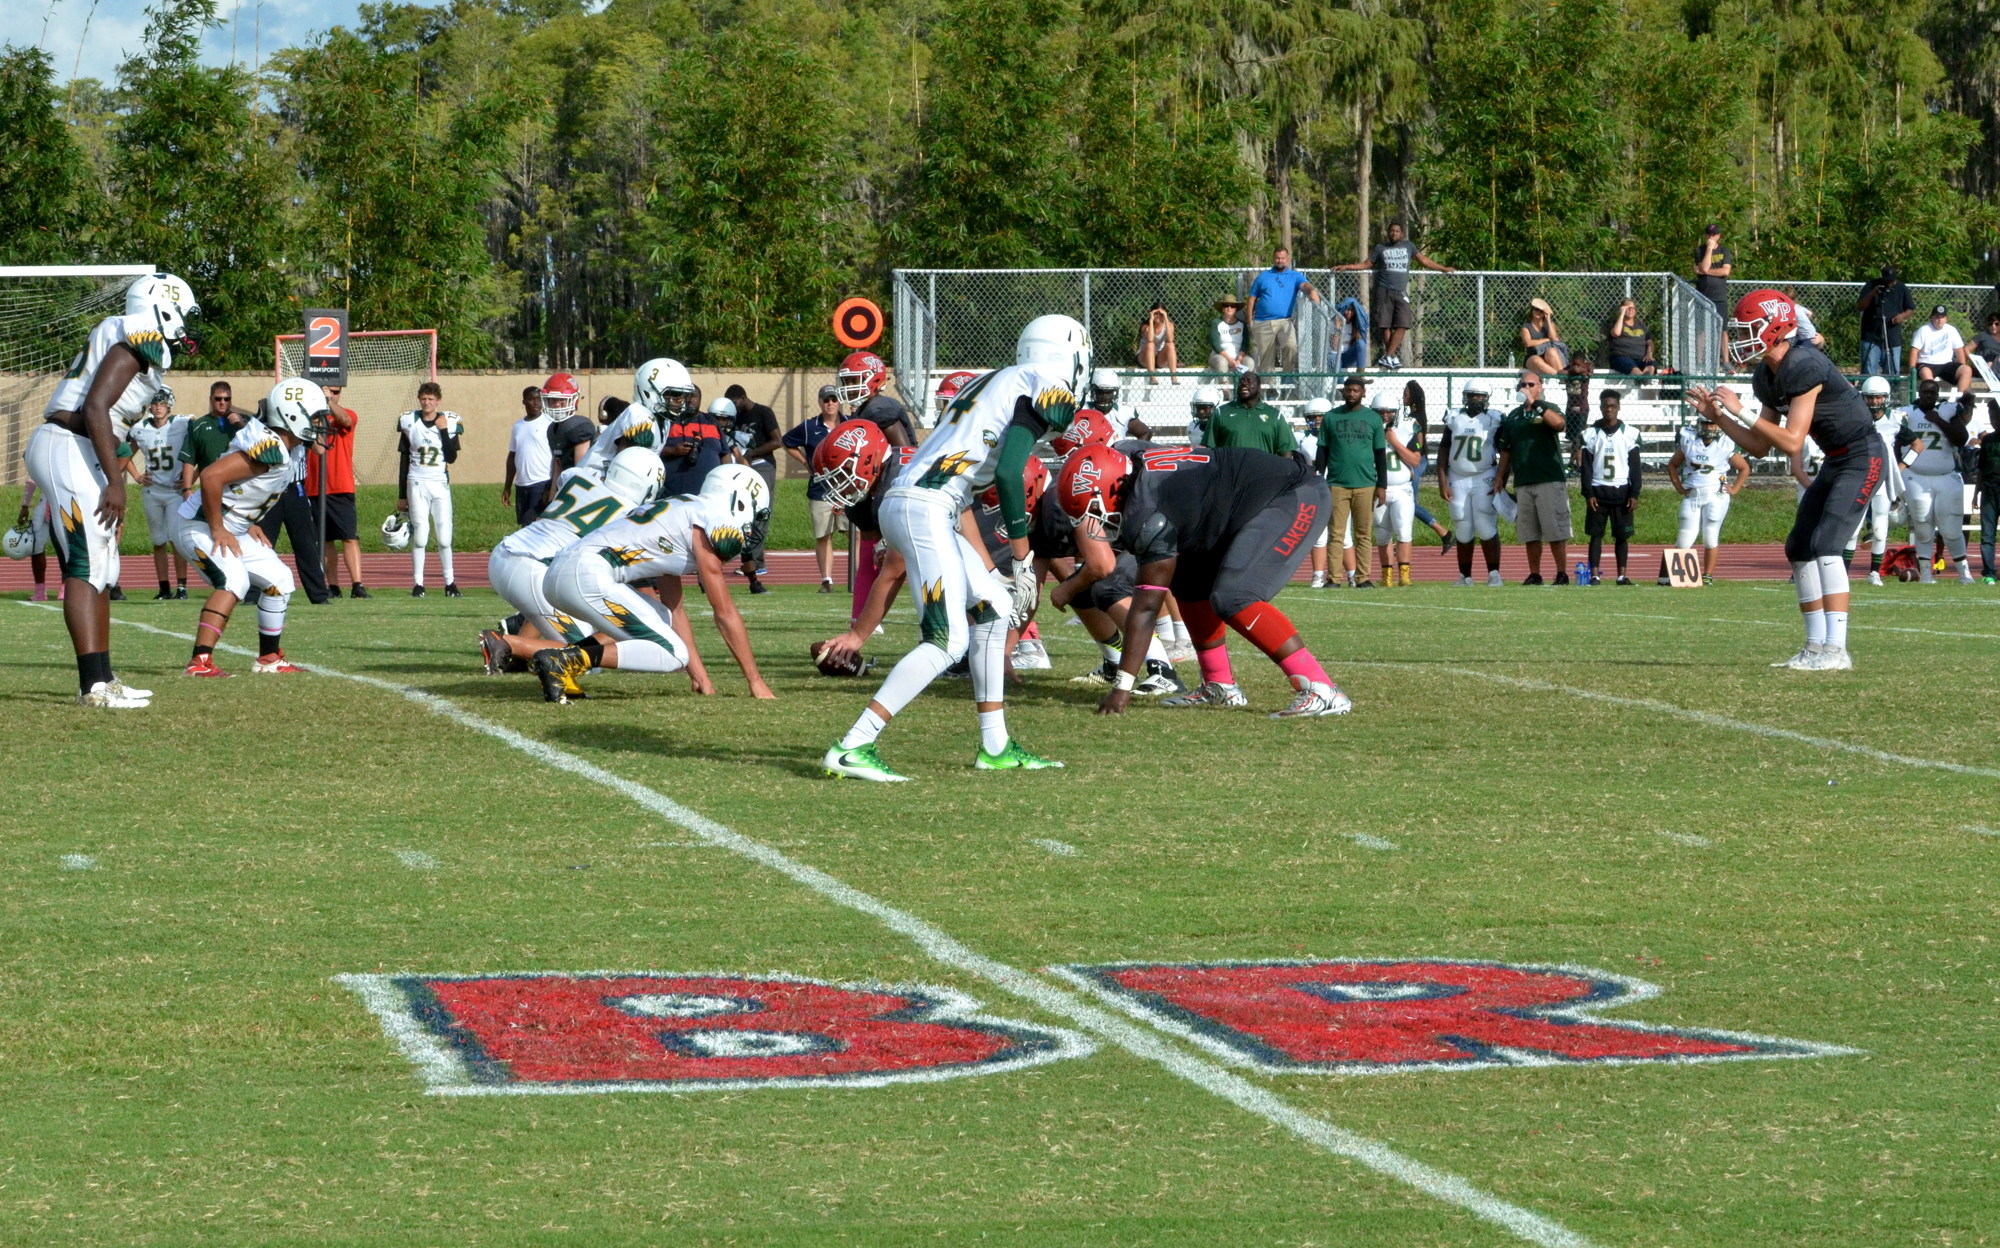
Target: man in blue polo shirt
1274	341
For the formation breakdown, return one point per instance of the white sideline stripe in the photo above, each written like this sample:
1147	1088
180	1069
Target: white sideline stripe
1134	1039
1062	848
416	860
1688	838
1671	619
1366	841
1982	829
1707	718
84	862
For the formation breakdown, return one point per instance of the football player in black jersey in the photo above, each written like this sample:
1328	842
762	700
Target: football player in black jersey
1804	396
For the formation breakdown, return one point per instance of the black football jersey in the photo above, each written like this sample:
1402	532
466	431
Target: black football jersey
1840	417
1185	500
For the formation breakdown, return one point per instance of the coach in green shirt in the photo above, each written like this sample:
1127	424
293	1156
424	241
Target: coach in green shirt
1251	422
1529	445
1354	455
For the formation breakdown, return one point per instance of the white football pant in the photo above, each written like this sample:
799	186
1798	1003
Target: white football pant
1703	516
1936	502
1472	513
430	503
579	583
65	469
518	579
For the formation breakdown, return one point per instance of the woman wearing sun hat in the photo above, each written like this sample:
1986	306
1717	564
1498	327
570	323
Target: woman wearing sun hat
1548	354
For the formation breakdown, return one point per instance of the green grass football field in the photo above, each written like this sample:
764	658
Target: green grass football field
1605	779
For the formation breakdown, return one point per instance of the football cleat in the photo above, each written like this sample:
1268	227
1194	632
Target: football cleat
114	594
1315	700
1835	659
1011	758
1463	582
416	591
859	763
359	591
1208	693
1031	655
1160	679
1804	659
1181	652
510	625
1874	578
558	671
493	652
1623	580
1445	543
451	590
960	669
203	666
181	593
119	688
274	664
1493	580
165	595
1965	577
104	696
1099	675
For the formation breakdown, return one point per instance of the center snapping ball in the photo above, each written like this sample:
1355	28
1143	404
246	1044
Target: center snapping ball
832	664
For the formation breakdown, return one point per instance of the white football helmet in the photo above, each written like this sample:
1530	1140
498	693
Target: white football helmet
19	542
1318	407
1386	401
298	407
170	302
662	386
396	531
743	494
1205	396
636	475
1104	387
1875	393
1059	344
165	394
724	410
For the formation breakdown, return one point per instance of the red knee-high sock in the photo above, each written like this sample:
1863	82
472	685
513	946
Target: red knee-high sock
1269	630
864	575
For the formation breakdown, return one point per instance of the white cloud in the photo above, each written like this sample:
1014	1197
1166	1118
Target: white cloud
116	28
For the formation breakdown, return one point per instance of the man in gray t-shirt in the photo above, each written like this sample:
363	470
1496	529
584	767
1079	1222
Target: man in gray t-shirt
1389	306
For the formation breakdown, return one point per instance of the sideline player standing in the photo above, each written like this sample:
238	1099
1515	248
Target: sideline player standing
1609	458
989	432
157	441
1810	399
1927	443
73	458
1875	393
428	443
1700	462
1465	478
1396	513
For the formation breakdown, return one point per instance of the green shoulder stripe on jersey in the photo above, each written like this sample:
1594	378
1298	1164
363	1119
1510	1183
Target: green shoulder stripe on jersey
727	540
270	452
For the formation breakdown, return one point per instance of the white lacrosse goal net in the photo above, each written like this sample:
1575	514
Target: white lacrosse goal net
46	315
384	369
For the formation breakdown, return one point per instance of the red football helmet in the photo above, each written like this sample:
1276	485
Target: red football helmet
1090	485
862	375
1034	479
1763	319
948	389
1088	427
848	459
559	396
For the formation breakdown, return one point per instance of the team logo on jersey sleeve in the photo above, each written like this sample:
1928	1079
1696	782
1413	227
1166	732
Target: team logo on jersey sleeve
150	344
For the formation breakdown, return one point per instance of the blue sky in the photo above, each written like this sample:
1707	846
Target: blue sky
115	28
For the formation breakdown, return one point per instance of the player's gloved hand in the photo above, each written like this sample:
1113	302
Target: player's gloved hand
1027	587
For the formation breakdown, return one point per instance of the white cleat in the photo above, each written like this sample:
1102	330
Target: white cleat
1031	656
1835	659
120	687
1874	578
110	695
1160	680
1210	693
1464	582
1965	577
1798	661
1493	579
1180	652
1099	675
1315	700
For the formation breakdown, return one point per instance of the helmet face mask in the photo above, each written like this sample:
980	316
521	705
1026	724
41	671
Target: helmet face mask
171	303
559	395
1104	388
1059	344
1091	486
1088	427
1763	319
662	387
297	407
849	459
861	377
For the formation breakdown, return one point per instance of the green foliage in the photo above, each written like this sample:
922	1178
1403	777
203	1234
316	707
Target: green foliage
47	200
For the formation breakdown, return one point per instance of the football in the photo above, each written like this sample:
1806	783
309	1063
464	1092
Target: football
831	664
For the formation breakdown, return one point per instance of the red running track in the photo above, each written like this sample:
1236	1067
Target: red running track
391	573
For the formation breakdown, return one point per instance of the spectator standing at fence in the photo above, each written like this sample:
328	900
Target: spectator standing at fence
1529	442
1155	348
1713	263
1628	347
1609	460
1884	305
525	481
1354	455
335	509
1250	421
1937	348
1547	353
1226	351
1274	297
1392	261
800	441
1987	477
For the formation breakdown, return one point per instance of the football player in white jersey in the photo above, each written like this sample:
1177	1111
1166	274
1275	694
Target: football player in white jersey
157	457
1927	445
1396	513
1612	472
1707	472
73	456
989	432
596	581
660	391
583	503
1882	503
427	443
1465	477
219	532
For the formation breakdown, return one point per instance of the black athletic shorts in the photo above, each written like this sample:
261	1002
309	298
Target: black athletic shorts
1610	510
339	517
528	500
1836	501
1113	589
1260	559
1391	309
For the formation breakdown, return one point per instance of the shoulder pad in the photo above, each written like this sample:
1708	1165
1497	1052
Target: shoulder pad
1151	531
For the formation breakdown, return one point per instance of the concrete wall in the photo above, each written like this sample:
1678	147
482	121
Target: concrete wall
490	403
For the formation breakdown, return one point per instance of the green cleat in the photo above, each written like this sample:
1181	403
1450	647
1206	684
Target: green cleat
860	763
1012	758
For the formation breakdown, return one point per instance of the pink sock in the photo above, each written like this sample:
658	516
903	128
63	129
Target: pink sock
1031	633
1215	665
1301	664
864	575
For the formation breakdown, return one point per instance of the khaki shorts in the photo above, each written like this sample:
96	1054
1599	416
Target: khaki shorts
1544	515
827	518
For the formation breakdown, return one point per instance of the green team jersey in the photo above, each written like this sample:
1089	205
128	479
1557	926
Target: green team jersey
1255	425
207	441
1535	447
1351	442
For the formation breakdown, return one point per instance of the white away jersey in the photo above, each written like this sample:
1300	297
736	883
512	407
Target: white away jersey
1938	456
583	504
1704	465
1472	453
142	334
1610	452
635	424
658	540
960	455
1405	430
159	448
427	445
245	502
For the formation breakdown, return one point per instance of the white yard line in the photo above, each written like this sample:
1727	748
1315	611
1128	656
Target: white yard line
1141	1042
1062	849
416	860
1366	841
1981	829
1670	619
78	862
1688	838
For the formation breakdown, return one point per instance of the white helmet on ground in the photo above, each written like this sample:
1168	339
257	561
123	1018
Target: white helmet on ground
636	475
1872	389
298	407
1318	407
660	382
170	302
1206	396
396	531
742	494
1059	344
19	542
1386	401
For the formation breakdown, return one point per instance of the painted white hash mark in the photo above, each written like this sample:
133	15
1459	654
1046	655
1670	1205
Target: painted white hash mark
416	860
1061	848
78	862
1366	841
1982	829
1688	838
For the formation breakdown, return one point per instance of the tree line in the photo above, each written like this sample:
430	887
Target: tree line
555	184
